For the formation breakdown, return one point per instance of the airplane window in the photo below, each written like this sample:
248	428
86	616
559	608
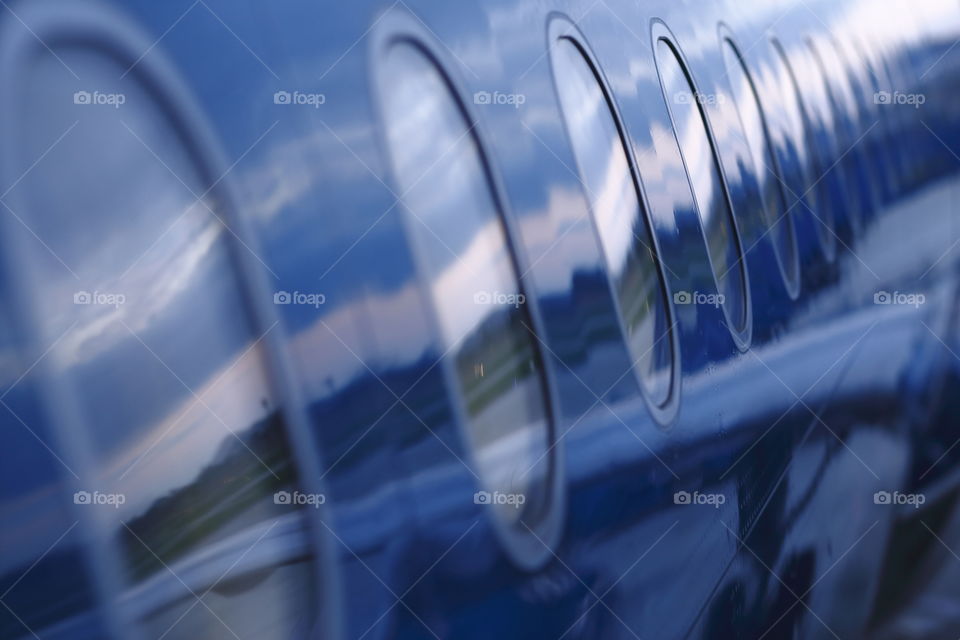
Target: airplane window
619	217
779	220
696	146
458	235
850	165
824	125
797	136
157	356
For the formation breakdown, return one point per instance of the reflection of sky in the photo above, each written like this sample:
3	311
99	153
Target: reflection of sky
839	84
165	254
765	166
616	208
600	154
750	116
790	106
446	194
704	178
810	78
692	136
456	228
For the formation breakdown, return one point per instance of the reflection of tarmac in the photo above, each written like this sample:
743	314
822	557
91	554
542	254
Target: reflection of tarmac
275	543
498	415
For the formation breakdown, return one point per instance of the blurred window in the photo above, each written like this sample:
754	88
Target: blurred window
797	133
703	171
460	240
618	215
158	359
778	219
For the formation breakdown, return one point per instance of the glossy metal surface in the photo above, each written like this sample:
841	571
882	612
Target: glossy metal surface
622	229
756	131
697	148
474	286
253	200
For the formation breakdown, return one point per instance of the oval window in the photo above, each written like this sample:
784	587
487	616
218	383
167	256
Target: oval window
796	136
459	238
835	199
157	357
621	225
706	182
779	219
847	150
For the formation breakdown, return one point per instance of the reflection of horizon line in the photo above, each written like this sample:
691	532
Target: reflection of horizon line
226	450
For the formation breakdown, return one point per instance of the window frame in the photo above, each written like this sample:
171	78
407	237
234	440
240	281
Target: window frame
561	27
529	549
106	31
660	32
789	272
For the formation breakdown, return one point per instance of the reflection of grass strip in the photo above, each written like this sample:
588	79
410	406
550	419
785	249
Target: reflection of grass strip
499	377
638	294
224	493
505	352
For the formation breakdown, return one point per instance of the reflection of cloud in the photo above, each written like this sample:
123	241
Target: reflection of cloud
662	169
694	144
150	288
483	265
293	168
616	208
938	17
559	240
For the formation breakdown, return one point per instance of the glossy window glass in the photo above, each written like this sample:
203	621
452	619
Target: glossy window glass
620	221
851	165
779	220
460	240
816	93
868	162
158	361
797	137
703	171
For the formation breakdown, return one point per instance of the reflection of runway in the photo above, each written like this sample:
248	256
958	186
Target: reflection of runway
262	554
